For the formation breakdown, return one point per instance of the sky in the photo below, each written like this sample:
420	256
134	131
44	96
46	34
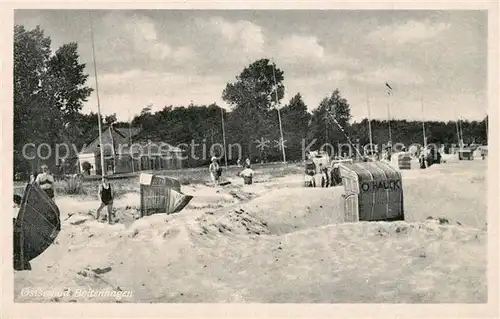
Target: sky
177	57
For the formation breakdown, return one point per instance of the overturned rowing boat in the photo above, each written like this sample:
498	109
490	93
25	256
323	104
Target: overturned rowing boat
36	226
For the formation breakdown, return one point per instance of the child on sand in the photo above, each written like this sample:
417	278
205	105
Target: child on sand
247	175
106	196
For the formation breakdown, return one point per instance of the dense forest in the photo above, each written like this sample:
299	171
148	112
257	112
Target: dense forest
50	88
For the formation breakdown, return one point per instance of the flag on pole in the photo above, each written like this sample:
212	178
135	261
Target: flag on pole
389	91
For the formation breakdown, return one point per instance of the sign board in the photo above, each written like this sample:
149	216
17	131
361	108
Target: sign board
381	185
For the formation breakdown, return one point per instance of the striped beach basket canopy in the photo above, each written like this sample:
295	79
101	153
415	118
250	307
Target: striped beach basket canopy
401	160
337	162
465	154
373	192
161	194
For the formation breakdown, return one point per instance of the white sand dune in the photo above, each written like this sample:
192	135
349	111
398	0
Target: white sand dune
276	242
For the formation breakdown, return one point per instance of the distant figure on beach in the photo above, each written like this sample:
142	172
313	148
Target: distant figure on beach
106	196
46	181
325	178
33	176
247	163
239	162
335	178
310	170
215	171
18	199
247	175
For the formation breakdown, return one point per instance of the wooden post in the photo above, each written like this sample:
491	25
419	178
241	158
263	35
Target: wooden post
98	101
224	137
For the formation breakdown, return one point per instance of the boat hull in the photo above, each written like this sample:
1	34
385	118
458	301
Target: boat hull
36	226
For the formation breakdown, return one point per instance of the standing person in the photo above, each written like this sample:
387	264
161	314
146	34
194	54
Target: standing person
335	178
247	175
389	153
247	163
46	181
219	172
33	176
239	162
106	196
424	158
325	178
214	171
310	169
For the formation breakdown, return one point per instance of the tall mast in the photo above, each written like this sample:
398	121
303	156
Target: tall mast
486	123
98	100
224	137
461	133
458	129
130	141
389	101
423	123
282	142
369	122
389	121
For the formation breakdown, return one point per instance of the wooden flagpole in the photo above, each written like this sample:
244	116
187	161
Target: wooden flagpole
486	123
458	130
130	142
98	101
423	123
224	137
461	133
369	122
282	142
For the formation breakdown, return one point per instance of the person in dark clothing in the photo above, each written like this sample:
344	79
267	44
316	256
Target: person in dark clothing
17	199
325	178
106	196
438	158
335	176
219	172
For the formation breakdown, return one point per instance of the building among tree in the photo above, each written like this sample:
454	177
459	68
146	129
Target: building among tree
125	153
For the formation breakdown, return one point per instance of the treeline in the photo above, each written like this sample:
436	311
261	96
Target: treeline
203	125
409	132
50	88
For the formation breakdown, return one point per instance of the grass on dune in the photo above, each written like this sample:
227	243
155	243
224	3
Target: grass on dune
189	176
